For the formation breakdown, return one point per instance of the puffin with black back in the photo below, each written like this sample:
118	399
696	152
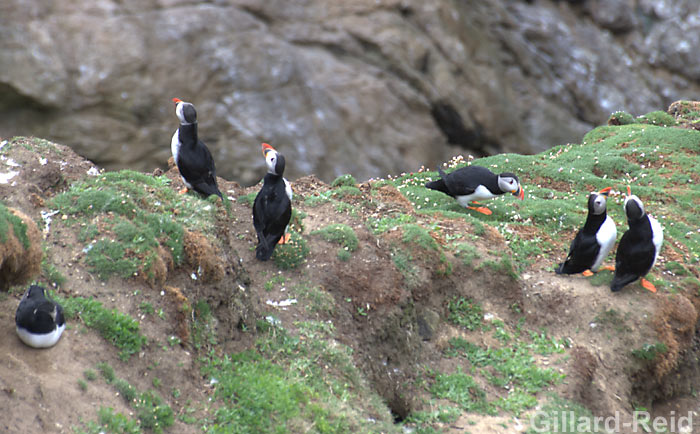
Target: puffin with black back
472	183
191	155
593	241
639	246
272	208
39	320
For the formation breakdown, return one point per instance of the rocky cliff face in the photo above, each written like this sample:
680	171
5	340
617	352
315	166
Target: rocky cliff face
366	87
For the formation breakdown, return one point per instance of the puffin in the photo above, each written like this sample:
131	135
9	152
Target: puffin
272	208
191	155
593	241
471	183
39	320
639	246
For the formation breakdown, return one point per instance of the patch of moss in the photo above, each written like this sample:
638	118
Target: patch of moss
344	191
389	222
648	352
419	236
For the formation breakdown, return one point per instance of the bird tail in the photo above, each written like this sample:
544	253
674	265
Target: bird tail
619	281
439	184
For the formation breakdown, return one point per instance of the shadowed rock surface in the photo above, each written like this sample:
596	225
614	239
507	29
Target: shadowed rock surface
362	87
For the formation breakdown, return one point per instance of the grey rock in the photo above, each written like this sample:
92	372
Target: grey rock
362	87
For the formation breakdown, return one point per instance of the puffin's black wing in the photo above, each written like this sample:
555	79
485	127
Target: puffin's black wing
464	181
582	253
272	211
196	165
633	259
37	316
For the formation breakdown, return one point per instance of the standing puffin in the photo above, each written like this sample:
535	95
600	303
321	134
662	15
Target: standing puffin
272	208
191	155
639	246
473	183
593	241
39	319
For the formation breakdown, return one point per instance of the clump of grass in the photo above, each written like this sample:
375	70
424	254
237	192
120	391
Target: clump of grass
465	312
344	191
150	411
318	199
549	419
390	222
461	389
51	273
247	199
659	118
621	118
118	328
344	180
291	254
203	331
419	236
504	267
339	233
648	352
466	252
319	301
19	228
404	263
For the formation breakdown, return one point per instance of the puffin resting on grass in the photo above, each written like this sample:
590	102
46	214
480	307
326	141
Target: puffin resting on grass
471	183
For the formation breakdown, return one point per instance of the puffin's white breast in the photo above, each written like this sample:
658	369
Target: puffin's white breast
606	236
44	340
481	193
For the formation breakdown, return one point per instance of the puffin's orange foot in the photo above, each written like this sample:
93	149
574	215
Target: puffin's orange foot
608	267
183	191
588	273
285	238
648	285
481	209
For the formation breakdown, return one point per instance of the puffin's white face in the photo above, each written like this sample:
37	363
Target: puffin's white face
599	203
508	183
185	112
271	161
634	209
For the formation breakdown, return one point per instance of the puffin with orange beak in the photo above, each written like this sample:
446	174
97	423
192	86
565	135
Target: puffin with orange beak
191	155
272	208
472	183
593	241
639	246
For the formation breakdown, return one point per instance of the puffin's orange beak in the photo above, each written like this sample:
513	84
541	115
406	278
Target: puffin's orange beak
521	193
605	191
266	148
629	191
177	100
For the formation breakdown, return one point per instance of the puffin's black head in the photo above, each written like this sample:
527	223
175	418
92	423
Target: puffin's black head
597	202
35	292
185	111
273	159
634	209
509	183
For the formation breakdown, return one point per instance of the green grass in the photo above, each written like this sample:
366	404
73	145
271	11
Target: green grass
549	419
339	233
137	214
19	228
150	411
648	352
419	236
461	389
119	329
389	222
316	299
465	312
203	336
290	384
344	180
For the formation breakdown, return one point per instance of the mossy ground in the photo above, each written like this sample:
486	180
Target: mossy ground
437	296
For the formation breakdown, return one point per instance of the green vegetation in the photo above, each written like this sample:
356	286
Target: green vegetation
203	336
119	329
150	411
317	300
342	234
291	254
19	228
419	236
465	312
549	419
389	222
621	118
660	118
461	389
137	214
292	383
344	180
648	352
